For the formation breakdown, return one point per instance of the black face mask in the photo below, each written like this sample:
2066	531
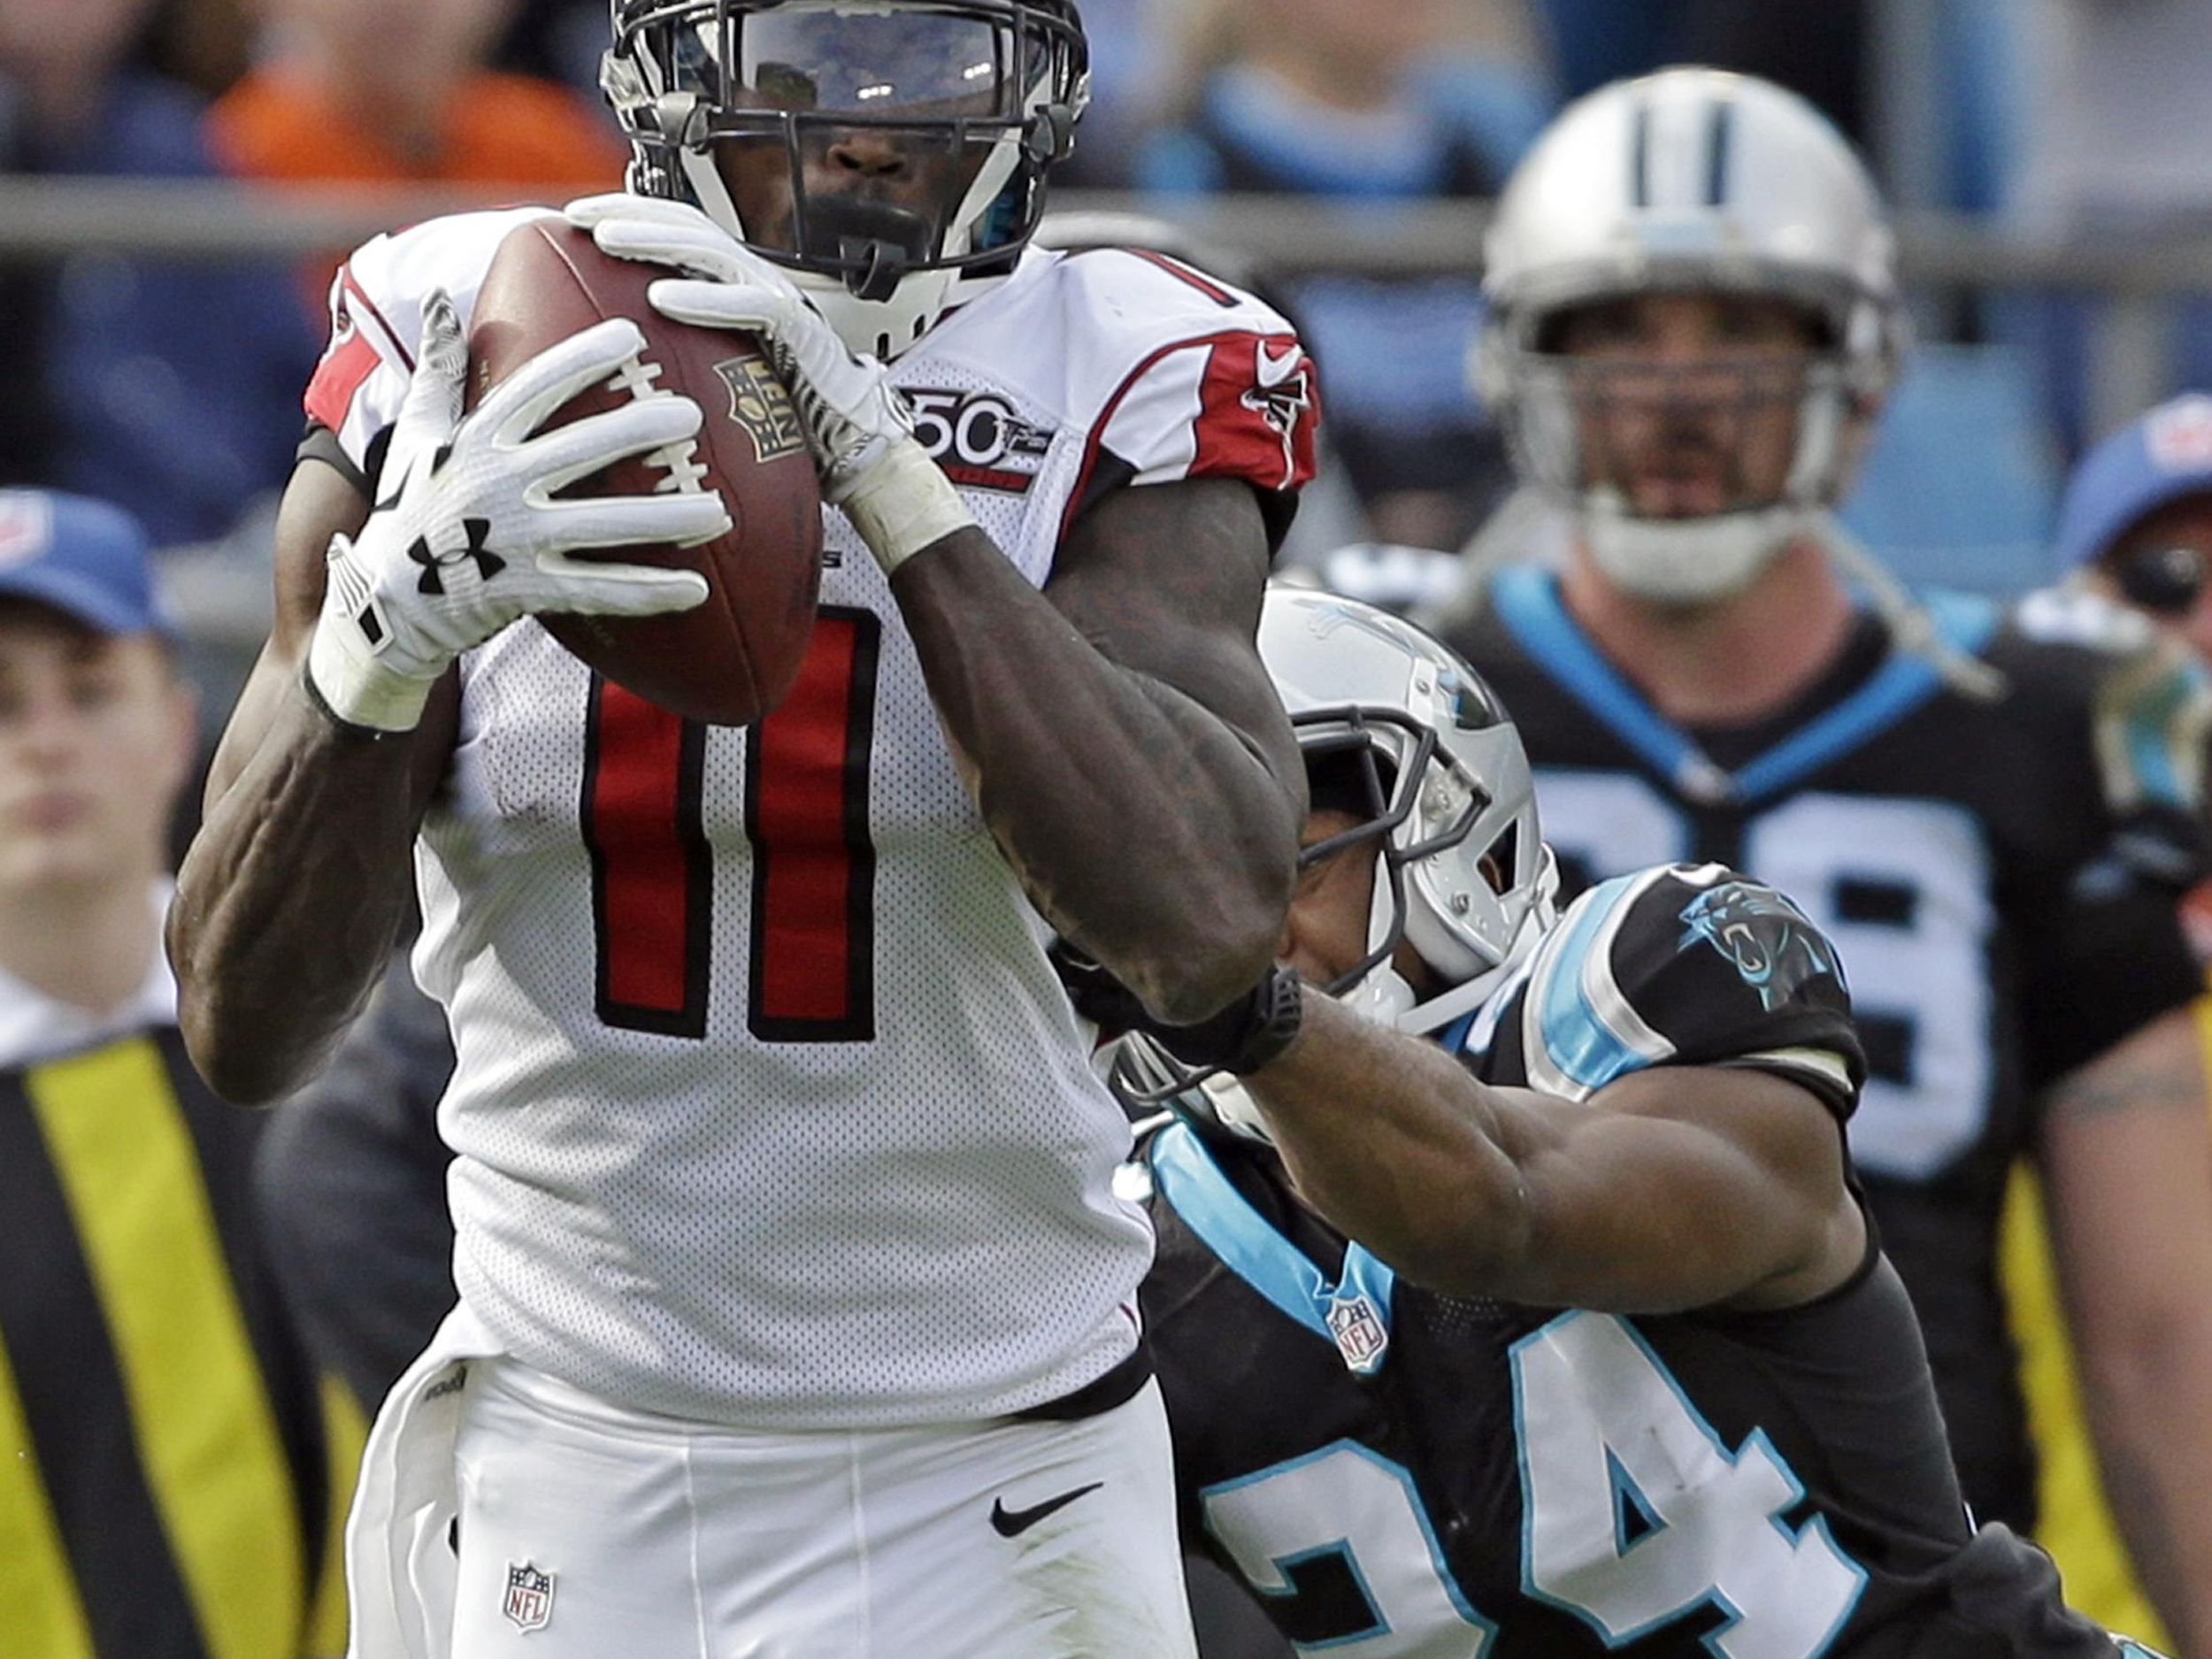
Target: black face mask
2161	579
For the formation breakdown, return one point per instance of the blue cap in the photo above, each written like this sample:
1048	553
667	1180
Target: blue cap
83	558
2162	457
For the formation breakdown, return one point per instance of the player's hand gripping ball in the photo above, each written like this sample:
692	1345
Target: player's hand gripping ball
731	660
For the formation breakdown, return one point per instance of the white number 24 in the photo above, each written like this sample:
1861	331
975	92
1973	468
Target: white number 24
1609	1445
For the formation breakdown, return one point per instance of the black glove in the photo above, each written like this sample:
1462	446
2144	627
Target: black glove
1241	1039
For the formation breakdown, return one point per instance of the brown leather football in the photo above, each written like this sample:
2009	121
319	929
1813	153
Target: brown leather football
730	660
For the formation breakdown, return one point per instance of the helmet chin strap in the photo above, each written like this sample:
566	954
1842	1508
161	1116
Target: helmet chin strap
1687	561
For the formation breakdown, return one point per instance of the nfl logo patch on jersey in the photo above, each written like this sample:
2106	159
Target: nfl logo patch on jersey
529	1601
1360	1335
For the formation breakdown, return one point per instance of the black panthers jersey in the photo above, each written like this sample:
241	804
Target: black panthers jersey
1399	1473
2000	875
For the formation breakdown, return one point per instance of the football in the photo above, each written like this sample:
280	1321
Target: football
731	660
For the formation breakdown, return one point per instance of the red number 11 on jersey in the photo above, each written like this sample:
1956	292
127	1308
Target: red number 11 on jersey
812	935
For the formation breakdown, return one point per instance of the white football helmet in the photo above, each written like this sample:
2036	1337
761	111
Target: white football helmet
1393	725
1398	729
985	94
1689	181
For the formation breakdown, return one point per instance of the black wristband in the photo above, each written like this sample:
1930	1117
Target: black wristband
1278	1011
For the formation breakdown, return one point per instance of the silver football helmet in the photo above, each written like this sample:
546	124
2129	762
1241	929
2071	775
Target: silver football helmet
1433	763
1400	731
1689	181
981	96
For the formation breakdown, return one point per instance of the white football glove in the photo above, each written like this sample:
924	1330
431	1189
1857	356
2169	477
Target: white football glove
858	425
468	537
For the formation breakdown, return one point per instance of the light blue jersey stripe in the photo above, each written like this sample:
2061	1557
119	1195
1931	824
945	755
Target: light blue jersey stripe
1225	1222
1527	601
1582	1046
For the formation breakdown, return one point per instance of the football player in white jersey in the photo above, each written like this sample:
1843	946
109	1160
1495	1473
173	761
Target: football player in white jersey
797	1311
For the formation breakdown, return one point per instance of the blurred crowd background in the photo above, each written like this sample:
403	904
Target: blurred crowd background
2043	155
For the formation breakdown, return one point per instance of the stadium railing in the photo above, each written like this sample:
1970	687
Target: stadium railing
2140	283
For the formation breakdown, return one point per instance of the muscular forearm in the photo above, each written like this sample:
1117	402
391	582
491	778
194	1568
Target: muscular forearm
1141	825
2150	1416
1391	1141
289	900
1673	1189
2127	1184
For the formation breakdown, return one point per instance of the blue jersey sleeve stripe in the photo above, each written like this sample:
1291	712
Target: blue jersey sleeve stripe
1225	1222
1590	1035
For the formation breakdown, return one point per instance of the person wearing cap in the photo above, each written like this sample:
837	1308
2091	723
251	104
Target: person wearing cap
165	1480
2136	522
2135	529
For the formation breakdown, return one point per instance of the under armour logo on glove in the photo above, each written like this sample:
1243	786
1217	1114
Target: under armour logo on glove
422	585
488	562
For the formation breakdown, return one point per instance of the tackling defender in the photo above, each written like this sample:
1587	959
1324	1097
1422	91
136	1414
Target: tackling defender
1522	1302
797	1314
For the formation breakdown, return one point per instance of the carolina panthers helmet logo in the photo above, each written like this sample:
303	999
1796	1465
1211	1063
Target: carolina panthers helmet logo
1771	941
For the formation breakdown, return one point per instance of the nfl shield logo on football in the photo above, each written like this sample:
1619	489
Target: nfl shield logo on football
1360	1333
529	1602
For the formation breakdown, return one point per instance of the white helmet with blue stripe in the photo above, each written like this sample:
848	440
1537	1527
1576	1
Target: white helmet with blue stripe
1689	181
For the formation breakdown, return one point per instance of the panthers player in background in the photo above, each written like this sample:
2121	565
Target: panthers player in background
1695	321
1558	1327
798	1315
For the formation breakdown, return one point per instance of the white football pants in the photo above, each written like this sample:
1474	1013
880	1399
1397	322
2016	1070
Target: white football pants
588	1531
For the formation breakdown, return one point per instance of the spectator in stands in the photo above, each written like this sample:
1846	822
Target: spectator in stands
557	40
397	89
165	1489
2135	527
206	44
2136	518
1415	99
165	388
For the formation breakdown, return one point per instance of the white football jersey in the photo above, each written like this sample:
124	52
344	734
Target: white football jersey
770	1110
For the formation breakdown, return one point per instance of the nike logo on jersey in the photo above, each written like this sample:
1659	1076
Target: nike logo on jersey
1013	1523
1274	370
1281	393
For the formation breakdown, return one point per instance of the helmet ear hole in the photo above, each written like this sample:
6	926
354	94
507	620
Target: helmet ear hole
1498	864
